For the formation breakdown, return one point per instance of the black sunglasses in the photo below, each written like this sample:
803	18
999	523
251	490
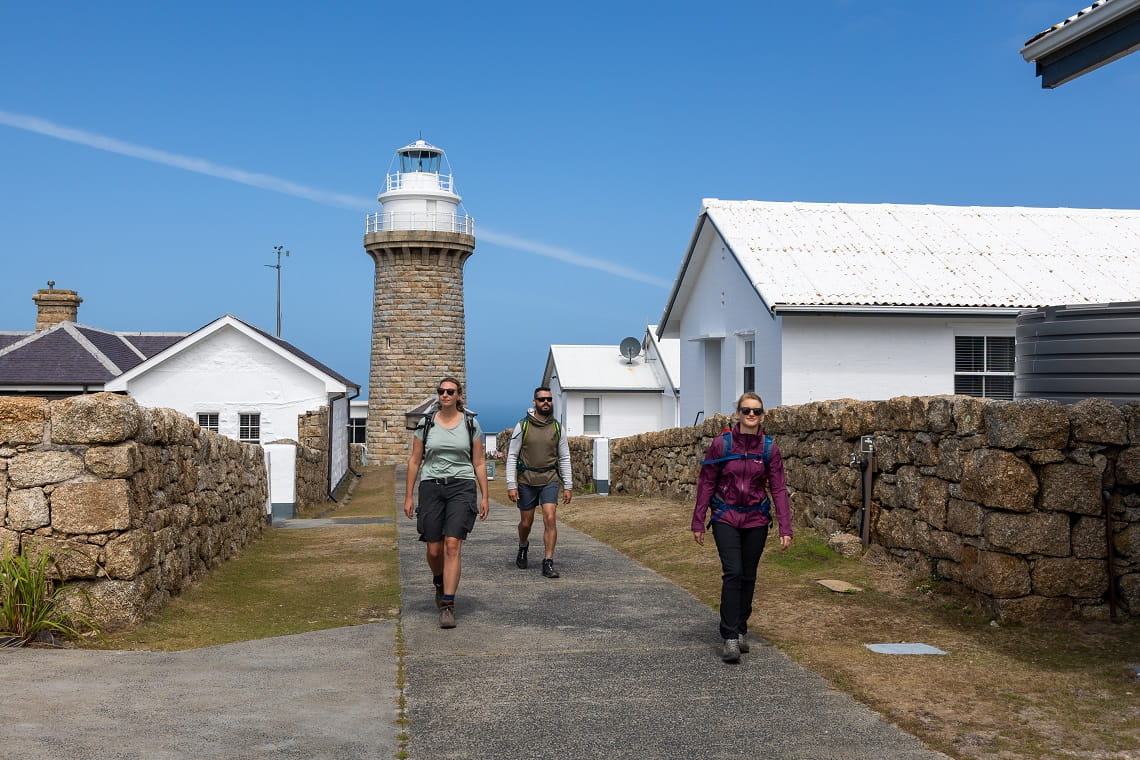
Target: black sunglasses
446	391
750	410
547	399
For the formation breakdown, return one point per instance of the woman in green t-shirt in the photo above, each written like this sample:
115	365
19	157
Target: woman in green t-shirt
448	456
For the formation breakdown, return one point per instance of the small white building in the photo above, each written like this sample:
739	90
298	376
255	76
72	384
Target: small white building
813	301
600	392
242	382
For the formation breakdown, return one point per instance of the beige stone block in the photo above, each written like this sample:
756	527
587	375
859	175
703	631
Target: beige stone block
9	541
1129	586
964	517
116	604
22	420
1070	577
1030	609
71	559
998	479
1029	423
927	495
969	414
1070	487
999	575
95	506
1128	466
28	509
129	554
1088	539
1095	420
1036	533
3	495
120	461
39	468
94	418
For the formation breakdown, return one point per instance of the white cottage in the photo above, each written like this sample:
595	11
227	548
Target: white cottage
812	301
600	392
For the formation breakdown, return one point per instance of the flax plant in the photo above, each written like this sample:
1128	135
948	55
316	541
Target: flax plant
32	602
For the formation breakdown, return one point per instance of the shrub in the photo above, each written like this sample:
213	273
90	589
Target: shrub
32	602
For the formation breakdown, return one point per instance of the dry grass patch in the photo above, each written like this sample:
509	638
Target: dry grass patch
1008	692
289	581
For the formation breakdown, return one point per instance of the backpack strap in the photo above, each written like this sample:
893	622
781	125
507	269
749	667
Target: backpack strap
428	423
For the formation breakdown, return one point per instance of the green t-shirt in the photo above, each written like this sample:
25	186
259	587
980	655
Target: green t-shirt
448	452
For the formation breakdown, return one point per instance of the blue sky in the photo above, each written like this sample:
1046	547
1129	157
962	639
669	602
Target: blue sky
591	133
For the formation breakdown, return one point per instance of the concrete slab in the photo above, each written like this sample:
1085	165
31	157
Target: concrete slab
325	694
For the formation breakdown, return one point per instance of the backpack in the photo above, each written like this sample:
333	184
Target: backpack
718	507
428	423
524	424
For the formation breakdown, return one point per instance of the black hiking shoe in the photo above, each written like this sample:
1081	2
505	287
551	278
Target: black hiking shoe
548	568
520	560
731	650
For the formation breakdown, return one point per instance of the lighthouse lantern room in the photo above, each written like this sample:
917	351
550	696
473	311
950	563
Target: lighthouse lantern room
418	196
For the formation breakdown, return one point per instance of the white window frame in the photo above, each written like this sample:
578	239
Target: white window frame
747	363
249	422
981	368
587	416
207	424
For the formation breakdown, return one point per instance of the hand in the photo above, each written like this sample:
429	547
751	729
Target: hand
566	495
409	510
484	508
785	542
699	537
513	494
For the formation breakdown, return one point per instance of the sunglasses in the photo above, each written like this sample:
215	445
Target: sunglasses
446	391
547	400
750	410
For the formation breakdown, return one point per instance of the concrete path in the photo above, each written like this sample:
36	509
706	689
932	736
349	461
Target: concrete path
610	660
325	694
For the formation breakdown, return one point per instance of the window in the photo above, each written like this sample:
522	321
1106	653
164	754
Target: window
357	430
749	364
592	416
249	428
983	366
208	421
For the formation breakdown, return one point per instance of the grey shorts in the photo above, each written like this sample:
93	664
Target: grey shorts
447	507
531	496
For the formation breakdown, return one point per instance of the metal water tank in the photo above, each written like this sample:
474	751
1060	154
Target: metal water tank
1069	353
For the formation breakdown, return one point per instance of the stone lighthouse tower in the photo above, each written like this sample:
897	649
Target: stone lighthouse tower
419	242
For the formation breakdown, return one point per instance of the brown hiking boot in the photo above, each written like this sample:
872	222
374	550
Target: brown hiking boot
447	616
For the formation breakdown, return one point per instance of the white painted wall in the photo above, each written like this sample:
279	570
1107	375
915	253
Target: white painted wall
338	435
282	459
229	374
622	413
721	308
873	358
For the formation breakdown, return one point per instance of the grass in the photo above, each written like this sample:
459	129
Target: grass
32	602
1053	690
289	581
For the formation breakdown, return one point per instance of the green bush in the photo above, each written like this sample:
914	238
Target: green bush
32	602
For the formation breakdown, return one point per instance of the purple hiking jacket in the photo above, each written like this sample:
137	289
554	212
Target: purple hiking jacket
741	482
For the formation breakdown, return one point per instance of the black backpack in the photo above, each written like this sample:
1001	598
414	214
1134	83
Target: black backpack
428	422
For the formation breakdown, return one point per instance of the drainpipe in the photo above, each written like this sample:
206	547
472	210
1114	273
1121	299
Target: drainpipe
349	402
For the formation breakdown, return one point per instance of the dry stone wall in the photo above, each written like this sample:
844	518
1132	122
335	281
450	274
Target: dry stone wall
135	503
1004	500
312	464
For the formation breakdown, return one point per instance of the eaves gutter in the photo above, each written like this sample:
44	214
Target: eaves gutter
1051	41
918	311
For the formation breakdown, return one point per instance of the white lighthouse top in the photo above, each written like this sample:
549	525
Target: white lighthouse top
418	195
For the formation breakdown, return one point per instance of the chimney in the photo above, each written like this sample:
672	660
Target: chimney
55	306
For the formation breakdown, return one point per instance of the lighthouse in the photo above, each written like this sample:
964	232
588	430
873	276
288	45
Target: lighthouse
419	242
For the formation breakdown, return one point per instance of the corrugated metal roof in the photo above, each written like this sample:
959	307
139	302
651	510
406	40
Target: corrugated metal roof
601	368
899	255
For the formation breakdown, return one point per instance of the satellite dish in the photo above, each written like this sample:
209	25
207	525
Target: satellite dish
629	348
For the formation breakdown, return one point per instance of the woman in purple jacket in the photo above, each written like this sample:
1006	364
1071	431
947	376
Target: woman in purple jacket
741	479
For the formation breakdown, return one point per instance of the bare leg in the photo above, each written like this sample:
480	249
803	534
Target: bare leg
526	521
452	547
549	528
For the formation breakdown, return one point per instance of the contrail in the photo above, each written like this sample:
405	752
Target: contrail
278	185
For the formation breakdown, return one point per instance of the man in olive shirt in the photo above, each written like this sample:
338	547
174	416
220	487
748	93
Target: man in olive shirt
538	455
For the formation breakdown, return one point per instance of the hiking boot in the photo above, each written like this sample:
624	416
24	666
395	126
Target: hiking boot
743	643
731	651
520	560
447	616
548	568
439	596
